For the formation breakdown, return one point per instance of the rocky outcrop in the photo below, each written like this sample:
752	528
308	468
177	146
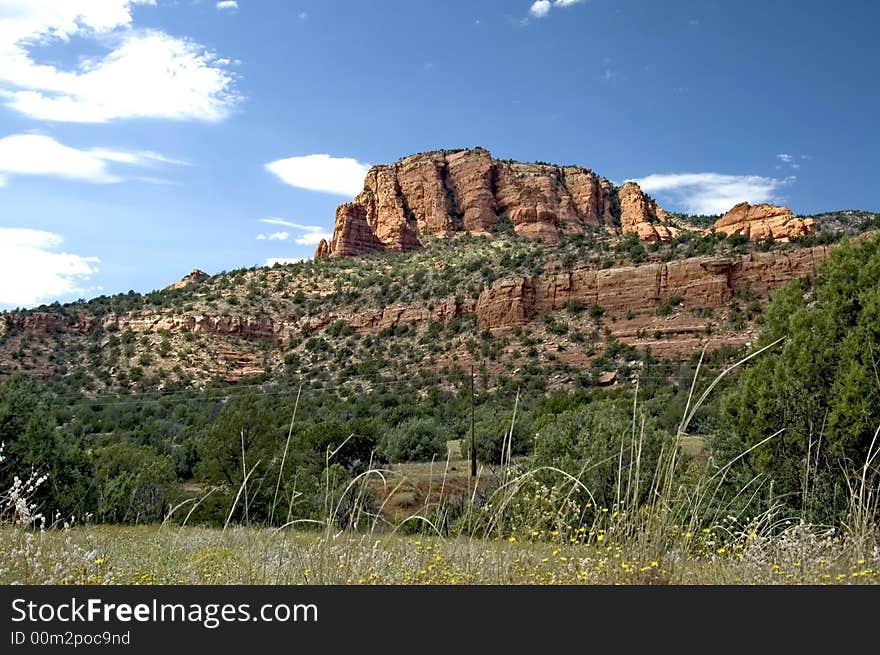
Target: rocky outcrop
250	327
764	222
698	282
642	216
442	193
194	277
323	249
47	322
351	233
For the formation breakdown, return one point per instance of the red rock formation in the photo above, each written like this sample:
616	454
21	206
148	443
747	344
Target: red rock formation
701	282
194	277
642	216
47	322
323	249
257	327
764	221
351	234
441	193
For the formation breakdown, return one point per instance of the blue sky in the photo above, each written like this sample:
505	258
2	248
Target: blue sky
140	139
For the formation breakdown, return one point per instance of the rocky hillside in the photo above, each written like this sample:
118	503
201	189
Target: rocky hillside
571	314
518	270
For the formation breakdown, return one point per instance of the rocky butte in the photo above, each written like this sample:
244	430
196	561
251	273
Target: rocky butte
442	193
764	222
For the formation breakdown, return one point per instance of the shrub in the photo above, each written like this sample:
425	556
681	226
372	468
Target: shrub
575	306
414	440
669	305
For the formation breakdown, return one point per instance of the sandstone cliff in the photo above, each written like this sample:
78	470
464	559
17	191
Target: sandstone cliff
763	222
699	282
443	193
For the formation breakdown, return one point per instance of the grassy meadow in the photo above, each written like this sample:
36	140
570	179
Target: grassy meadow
175	555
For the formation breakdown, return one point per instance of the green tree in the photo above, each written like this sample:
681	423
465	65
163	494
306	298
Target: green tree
416	439
35	443
493	421
134	483
821	388
595	442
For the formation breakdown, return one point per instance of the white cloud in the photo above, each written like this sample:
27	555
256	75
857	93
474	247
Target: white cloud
144	74
312	238
541	8
271	261
310	235
341	176
37	154
275	236
227	4
34	154
712	193
31	272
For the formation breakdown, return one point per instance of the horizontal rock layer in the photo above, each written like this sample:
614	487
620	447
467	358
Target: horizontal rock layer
706	282
699	282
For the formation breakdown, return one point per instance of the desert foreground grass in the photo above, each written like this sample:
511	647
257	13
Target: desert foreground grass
175	555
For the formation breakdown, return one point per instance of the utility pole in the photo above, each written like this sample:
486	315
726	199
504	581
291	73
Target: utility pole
473	429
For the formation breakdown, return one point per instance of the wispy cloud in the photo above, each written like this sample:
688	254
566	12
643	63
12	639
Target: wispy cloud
541	8
40	155
272	220
226	5
33	271
158	181
143	74
137	157
711	193
786	160
342	176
